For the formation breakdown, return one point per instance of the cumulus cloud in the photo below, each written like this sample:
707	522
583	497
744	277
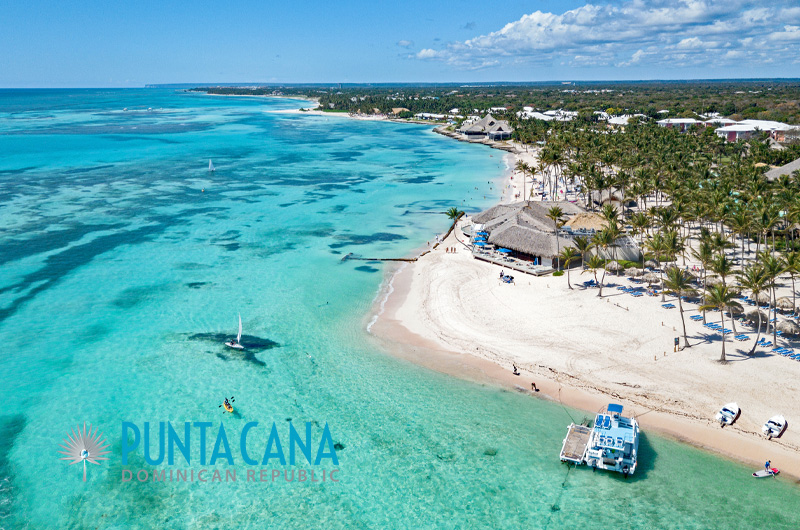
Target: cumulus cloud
699	33
405	43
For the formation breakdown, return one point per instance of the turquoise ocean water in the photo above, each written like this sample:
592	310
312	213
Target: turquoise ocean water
121	277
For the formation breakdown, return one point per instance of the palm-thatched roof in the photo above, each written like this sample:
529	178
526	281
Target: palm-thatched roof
633	272
651	277
788	169
516	236
586	221
763	297
789	327
613	266
784	302
524	227
753	316
651	263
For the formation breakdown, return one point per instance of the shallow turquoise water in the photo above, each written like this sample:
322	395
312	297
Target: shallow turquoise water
120	278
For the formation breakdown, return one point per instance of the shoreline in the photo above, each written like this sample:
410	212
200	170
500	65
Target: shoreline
409	289
389	330
396	336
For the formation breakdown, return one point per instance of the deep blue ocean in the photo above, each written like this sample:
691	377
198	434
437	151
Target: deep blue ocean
125	264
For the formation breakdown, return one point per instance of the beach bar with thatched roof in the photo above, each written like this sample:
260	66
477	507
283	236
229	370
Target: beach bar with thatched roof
525	229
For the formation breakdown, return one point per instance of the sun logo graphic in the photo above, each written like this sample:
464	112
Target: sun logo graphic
84	446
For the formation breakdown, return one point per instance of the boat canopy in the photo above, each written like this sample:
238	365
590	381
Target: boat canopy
612	407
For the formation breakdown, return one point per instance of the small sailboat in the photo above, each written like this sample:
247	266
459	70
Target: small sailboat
774	427
728	414
211	166
236	344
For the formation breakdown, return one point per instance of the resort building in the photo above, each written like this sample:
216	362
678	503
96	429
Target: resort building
487	127
525	229
682	124
746	129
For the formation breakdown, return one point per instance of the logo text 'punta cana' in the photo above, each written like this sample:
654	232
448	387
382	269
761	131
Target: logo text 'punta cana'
84	445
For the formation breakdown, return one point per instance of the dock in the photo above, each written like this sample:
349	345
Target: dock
574	448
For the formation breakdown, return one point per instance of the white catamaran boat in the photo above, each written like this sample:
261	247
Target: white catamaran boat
612	443
728	414
236	343
774	427
211	166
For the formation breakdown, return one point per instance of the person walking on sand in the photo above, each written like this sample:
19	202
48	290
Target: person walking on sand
533	387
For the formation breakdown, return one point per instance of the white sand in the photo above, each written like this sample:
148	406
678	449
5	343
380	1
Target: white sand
454	315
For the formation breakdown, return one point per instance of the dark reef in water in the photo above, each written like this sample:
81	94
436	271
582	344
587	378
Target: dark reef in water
252	346
359	239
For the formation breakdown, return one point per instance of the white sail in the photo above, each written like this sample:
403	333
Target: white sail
239	336
211	165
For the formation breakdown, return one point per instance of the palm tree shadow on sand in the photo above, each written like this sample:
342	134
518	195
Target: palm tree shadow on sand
252	346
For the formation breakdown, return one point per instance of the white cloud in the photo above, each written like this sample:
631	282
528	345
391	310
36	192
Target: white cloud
627	33
405	43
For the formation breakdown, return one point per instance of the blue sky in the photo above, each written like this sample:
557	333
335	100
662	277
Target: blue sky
116	43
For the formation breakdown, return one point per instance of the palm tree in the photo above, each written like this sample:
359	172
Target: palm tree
567	256
640	223
595	263
603	240
555	214
454	214
679	282
722	266
583	244
754	280
704	254
721	297
791	264
772	269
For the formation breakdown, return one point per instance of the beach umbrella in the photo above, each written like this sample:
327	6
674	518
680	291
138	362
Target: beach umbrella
784	302
613	266
651	264
651	277
763	297
734	311
713	280
633	271
480	244
504	250
752	316
789	328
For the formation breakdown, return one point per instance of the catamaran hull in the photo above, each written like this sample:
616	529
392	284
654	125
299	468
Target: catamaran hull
234	346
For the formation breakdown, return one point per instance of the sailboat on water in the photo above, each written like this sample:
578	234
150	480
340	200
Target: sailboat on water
211	165
236	344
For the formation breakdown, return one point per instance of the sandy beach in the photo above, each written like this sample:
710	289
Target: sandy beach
450	313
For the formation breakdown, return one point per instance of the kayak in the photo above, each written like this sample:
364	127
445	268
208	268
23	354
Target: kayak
764	473
228	407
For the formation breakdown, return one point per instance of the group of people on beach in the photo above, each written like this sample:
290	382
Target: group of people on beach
450	250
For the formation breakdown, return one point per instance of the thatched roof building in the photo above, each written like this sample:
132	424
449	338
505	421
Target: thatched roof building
788	169
524	227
